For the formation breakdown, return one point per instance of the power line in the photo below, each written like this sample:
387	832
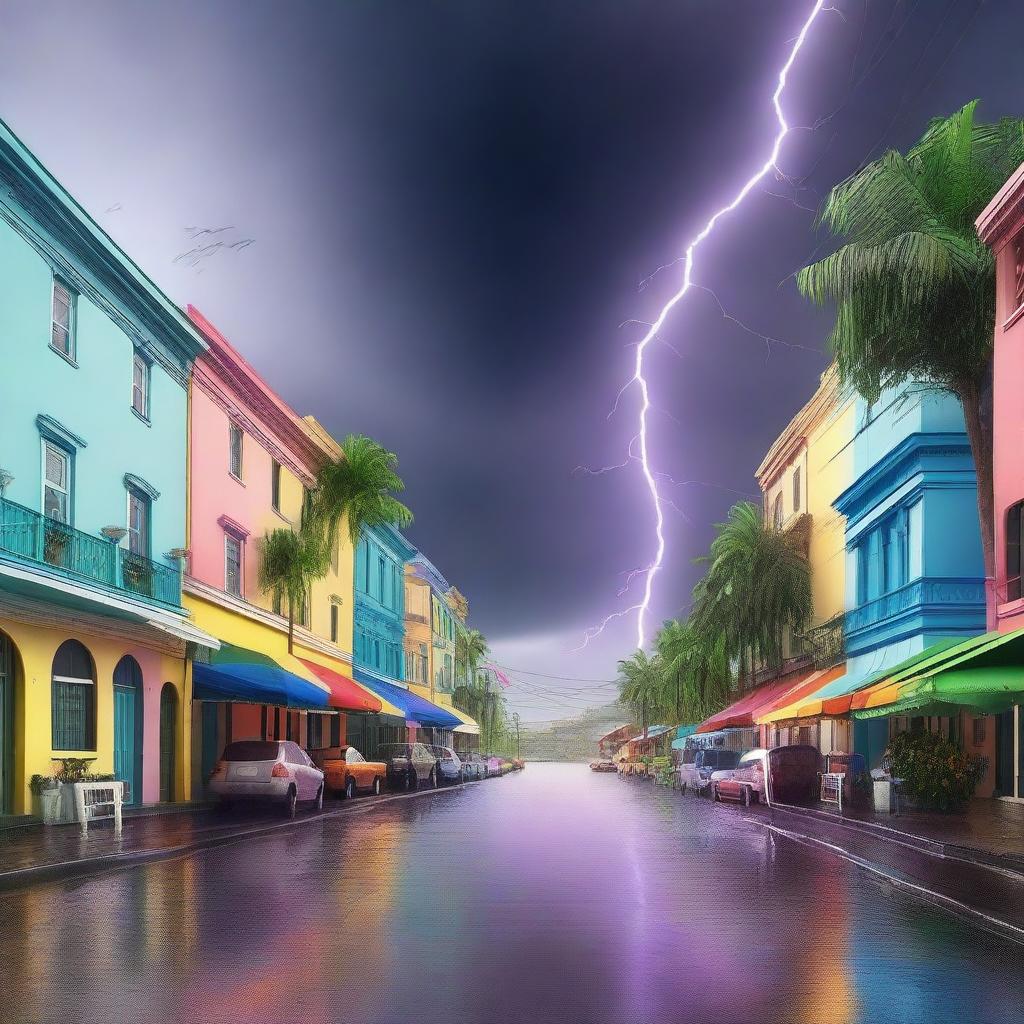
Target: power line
574	679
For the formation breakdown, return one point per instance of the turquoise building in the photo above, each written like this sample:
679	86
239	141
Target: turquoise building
914	569
379	620
93	414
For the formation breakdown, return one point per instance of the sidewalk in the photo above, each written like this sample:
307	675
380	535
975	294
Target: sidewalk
989	832
34	852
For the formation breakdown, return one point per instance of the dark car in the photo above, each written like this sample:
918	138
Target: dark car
409	764
449	764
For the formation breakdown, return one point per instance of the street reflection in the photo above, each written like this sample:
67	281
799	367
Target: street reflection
551	895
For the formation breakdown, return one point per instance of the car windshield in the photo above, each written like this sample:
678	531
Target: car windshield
251	750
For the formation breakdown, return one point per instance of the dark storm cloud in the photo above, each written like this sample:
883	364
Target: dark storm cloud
453	205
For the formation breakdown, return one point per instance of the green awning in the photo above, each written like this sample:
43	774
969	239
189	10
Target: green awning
985	674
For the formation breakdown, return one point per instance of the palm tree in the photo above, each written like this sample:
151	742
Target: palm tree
758	585
696	670
289	562
641	685
357	488
914	286
470	649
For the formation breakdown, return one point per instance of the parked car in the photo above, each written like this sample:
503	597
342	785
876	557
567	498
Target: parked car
409	764
602	766
276	771
493	765
518	764
347	772
696	774
793	774
474	767
745	783
449	764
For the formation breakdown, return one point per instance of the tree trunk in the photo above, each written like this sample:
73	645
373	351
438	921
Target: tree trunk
644	713
980	436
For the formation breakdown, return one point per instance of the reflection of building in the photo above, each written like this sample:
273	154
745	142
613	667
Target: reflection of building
93	408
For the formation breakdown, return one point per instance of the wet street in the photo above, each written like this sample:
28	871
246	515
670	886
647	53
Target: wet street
551	895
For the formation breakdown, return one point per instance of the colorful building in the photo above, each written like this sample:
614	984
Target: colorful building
432	621
93	411
252	461
914	579
1001	226
806	469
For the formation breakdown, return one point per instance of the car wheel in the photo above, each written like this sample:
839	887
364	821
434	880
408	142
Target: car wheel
376	786
350	788
746	796
714	792
291	801
682	788
319	802
411	782
433	779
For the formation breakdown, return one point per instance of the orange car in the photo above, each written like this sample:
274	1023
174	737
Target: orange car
347	772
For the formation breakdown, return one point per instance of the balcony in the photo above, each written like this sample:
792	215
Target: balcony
37	540
827	643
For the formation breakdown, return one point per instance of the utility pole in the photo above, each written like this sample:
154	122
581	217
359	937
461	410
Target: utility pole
515	718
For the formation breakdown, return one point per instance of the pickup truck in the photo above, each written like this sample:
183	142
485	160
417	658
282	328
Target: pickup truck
347	772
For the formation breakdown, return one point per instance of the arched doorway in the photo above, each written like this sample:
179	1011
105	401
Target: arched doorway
168	738
128	727
7	689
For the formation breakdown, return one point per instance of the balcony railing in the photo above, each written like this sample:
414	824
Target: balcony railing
827	643
32	537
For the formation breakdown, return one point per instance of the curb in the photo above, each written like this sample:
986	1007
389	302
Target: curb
914	889
19	877
1006	863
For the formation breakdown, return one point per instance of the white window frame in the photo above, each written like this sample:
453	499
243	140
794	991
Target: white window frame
69	478
232	429
72	317
140	362
275	485
228	537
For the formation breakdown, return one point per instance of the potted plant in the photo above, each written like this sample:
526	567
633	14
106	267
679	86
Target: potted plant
47	791
936	773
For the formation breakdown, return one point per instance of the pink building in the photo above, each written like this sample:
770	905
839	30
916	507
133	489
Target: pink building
1001	226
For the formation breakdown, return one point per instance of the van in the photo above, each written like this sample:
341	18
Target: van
698	764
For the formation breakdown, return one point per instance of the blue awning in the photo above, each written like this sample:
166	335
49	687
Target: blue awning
654	730
415	708
682	733
252	683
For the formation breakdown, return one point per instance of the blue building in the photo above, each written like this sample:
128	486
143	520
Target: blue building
914	570
93	415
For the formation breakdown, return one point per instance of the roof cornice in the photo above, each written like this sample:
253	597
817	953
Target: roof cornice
1004	215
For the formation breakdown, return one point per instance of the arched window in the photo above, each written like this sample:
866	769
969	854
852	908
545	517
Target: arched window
777	512
73	696
796	489
1014	522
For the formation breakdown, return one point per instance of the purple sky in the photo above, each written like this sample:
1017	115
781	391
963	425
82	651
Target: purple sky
453	205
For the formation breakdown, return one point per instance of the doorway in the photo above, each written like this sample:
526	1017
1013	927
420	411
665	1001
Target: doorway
128	728
168	740
6	725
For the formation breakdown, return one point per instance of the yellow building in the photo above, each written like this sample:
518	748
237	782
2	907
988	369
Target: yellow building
806	469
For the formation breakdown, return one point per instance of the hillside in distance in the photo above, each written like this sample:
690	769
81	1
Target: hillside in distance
572	739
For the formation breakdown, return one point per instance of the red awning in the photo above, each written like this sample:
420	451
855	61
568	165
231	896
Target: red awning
740	715
345	693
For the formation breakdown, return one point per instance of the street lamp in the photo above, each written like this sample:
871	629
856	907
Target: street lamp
515	718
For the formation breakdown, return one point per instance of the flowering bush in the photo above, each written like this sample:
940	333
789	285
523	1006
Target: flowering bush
936	773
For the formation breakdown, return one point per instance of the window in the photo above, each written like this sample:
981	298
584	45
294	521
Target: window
314	730
1018	271
233	564
796	489
275	485
140	384
380	579
334	556
62	328
777	512
56	483
1013	547
235	447
73	698
334	623
138	522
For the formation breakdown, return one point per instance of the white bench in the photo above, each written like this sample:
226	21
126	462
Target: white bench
832	788
97	800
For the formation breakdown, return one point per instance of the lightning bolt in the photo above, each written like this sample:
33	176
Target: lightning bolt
638	378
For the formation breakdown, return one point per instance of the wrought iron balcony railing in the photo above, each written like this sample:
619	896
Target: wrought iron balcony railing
827	642
35	538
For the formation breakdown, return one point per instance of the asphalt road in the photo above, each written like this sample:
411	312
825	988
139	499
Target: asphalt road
552	895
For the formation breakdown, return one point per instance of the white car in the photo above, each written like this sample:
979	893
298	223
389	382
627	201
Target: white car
276	771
